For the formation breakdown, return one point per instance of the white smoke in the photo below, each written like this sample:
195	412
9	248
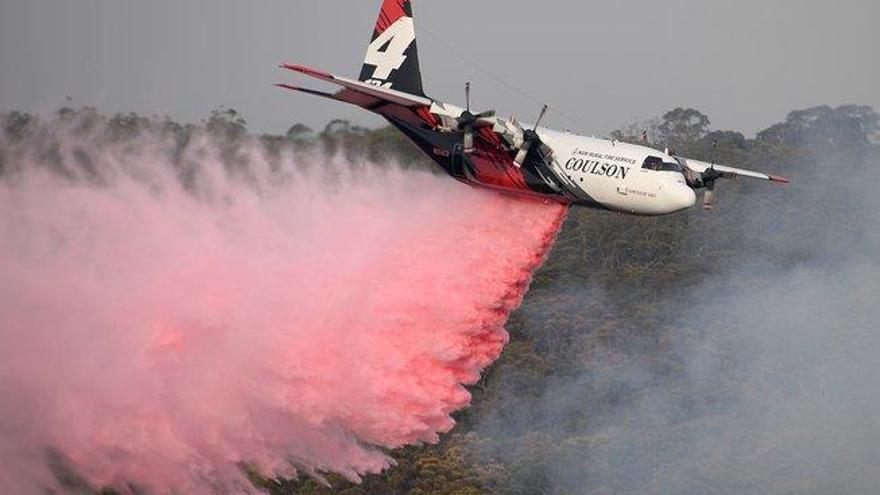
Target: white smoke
759	379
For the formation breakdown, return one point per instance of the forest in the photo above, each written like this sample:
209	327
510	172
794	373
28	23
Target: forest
705	352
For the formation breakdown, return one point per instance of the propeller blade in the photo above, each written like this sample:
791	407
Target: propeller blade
469	140
709	195
522	154
529	137
467	122
517	126
709	200
541	117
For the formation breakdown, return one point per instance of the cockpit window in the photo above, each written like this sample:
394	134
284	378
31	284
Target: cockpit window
652	163
657	163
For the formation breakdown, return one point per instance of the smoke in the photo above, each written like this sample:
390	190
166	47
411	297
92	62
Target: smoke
759	376
173	306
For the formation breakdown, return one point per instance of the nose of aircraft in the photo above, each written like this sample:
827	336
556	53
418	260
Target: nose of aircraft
682	197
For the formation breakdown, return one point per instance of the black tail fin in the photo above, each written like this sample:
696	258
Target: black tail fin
392	59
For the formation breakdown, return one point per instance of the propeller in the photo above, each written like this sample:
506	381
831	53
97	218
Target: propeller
469	121
708	178
530	137
701	180
703	175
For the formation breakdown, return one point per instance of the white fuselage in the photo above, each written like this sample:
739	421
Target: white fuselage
607	174
611	174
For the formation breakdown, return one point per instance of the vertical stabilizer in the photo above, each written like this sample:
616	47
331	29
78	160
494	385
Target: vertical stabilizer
392	59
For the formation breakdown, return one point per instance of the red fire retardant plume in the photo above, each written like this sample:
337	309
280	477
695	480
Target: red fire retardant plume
161	336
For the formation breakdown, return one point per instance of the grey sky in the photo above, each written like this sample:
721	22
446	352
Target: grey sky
745	63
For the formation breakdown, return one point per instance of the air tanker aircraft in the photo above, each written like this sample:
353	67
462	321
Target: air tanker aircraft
484	150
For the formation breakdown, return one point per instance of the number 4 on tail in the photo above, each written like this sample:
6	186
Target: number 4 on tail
387	51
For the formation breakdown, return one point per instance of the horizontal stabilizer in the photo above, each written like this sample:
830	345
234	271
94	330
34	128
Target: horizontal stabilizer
385	94
306	90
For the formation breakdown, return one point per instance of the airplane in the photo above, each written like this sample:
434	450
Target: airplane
481	149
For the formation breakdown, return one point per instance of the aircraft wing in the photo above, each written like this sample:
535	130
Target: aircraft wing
729	172
361	88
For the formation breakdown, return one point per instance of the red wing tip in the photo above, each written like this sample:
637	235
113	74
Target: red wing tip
307	71
779	180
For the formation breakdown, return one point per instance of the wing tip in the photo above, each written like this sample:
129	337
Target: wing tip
307	71
779	179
